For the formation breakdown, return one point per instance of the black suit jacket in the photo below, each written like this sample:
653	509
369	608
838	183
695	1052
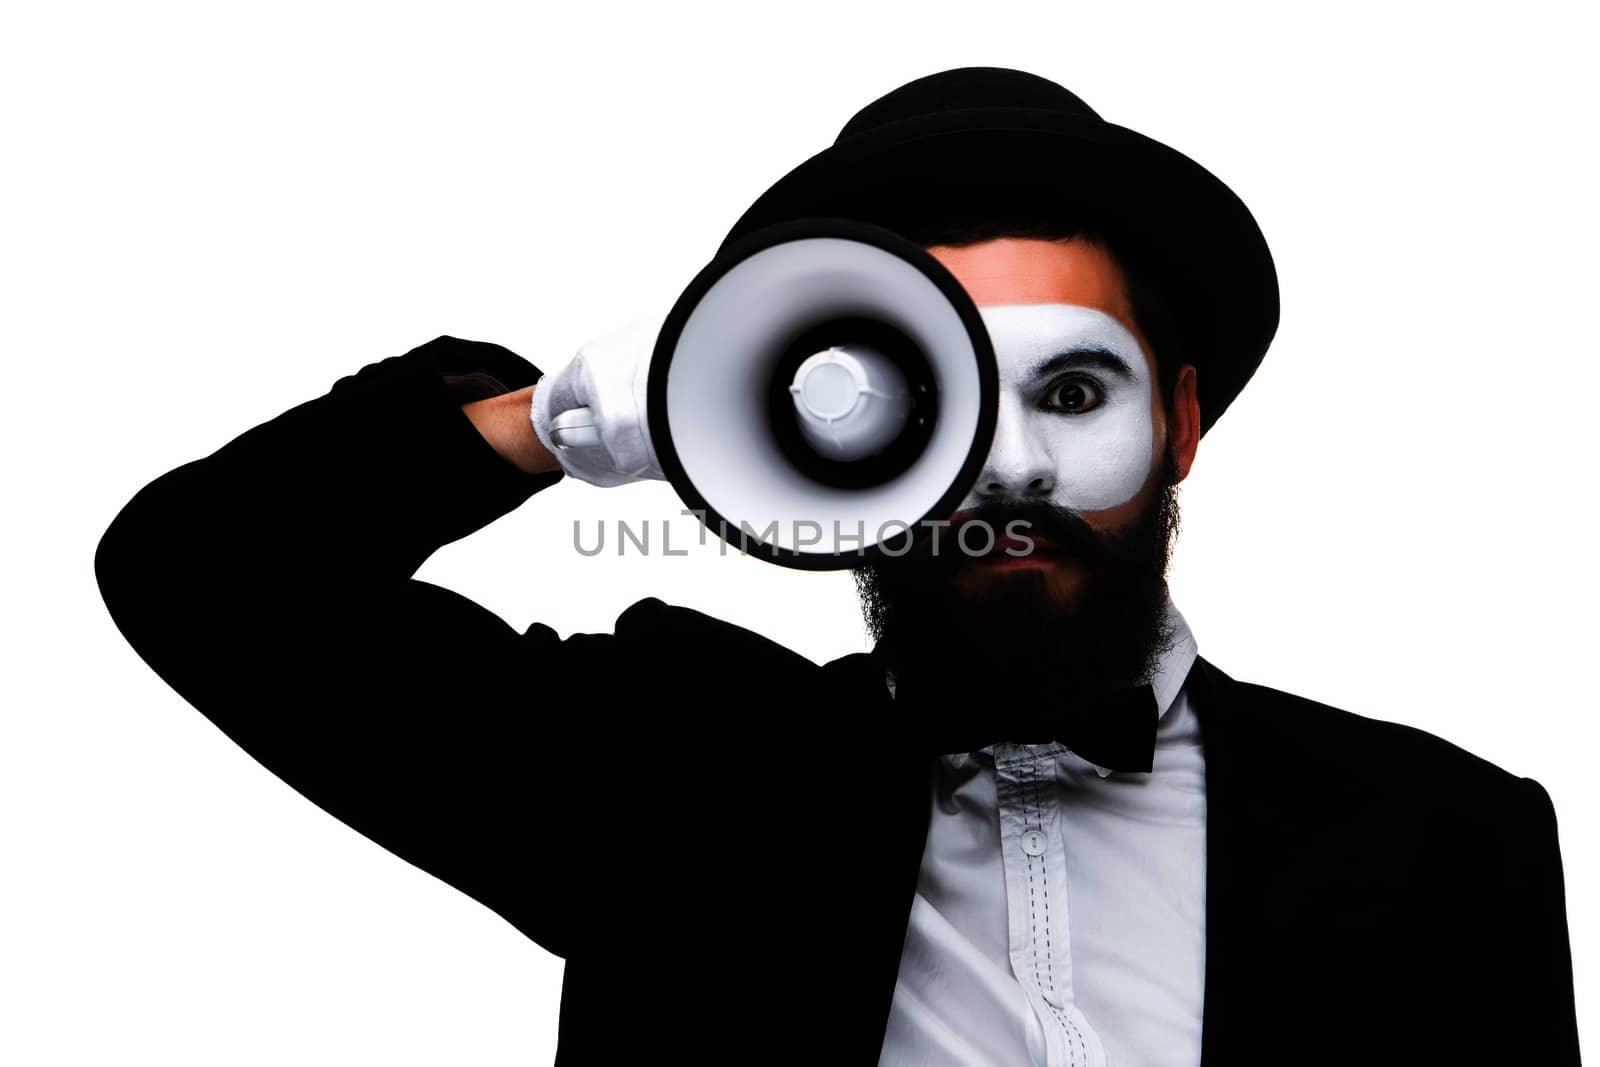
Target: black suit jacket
1374	893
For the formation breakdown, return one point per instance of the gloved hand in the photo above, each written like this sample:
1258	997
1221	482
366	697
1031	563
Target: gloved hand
608	377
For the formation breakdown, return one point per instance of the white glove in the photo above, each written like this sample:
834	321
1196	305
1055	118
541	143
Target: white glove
608	376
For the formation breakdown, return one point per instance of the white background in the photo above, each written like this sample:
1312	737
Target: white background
211	213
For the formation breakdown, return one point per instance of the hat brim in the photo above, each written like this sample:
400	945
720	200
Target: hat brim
1191	234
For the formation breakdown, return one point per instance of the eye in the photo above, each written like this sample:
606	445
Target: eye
1074	395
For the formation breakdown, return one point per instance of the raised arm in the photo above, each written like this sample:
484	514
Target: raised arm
270	584
503	421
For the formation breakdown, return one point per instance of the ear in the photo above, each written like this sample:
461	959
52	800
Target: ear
1183	429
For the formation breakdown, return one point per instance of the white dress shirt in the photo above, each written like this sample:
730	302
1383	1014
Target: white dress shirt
1059	917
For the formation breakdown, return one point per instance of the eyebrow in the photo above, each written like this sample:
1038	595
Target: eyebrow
1097	357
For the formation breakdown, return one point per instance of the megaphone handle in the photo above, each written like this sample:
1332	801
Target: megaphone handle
574	428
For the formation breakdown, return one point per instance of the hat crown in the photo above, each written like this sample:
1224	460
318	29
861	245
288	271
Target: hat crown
949	142
961	89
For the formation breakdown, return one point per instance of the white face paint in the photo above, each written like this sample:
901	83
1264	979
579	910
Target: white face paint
1074	424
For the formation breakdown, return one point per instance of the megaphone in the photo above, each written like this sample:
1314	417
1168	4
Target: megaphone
820	391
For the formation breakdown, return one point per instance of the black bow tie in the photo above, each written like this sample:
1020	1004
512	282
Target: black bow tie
1113	728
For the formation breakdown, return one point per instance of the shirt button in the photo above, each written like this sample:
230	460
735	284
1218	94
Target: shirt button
1033	842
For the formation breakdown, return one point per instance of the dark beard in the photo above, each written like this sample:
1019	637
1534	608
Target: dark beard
1014	639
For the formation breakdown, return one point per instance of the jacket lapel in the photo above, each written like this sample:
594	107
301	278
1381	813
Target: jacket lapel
899	799
1238	833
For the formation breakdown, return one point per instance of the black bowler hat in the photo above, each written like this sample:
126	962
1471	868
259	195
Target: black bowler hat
981	137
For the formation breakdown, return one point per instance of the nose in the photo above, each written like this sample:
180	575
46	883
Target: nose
1018	464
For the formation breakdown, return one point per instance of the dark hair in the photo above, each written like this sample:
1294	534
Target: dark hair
1148	305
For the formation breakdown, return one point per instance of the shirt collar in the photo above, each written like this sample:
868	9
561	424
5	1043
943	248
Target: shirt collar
1174	663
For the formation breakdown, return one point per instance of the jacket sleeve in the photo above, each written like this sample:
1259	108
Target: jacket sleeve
1540	979
270	584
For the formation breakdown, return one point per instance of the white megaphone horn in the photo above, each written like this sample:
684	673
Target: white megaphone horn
820	391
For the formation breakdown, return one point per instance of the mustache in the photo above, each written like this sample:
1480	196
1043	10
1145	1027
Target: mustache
1026	519
1049	527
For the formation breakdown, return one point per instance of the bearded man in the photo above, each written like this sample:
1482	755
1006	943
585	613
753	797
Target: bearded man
1030	825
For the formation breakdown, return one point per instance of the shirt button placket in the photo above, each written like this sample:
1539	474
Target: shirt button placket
1028	801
